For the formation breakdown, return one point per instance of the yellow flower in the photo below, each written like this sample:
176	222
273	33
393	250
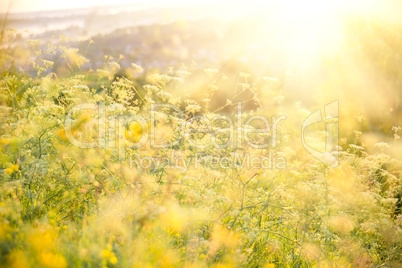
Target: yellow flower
84	118
49	259
222	237
4	230
113	259
17	259
175	218
168	259
61	133
41	240
106	254
10	170
4	141
109	255
134	132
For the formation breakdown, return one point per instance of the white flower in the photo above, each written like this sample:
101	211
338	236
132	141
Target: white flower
193	108
150	88
178	79
382	145
137	68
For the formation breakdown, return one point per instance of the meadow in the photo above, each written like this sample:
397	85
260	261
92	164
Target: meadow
107	163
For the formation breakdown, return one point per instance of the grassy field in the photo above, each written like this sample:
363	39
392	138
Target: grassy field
201	167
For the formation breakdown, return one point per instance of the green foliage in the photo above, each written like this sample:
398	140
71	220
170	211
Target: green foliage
61	205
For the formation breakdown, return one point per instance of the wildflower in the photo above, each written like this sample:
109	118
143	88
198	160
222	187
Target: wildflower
61	133
4	230
222	237
114	66
151	88
34	43
168	259
178	80
159	78
48	63
183	73
206	100
17	259
80	87
136	68
164	95
103	73
113	259
13	168
49	259
73	57
109	255
395	130
356	147
193	108
244	85
244	75
174	218
134	132
84	118
382	146
41	240
357	133
106	253
4	142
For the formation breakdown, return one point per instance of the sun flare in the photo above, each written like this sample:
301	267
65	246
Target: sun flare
312	28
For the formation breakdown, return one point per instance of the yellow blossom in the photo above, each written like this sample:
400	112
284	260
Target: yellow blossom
134	132
4	141
10	170
17	259
41	240
49	259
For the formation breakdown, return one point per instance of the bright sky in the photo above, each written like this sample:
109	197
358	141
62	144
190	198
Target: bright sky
42	5
292	9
